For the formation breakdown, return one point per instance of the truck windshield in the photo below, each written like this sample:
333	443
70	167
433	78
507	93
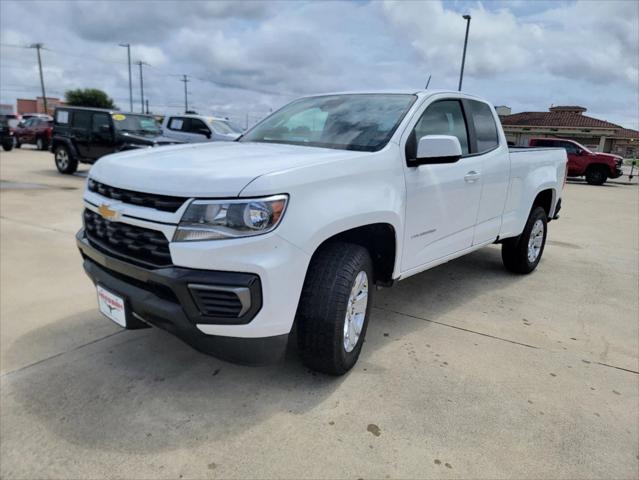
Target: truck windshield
363	122
140	124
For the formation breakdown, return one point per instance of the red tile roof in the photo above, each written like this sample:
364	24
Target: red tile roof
627	133
555	119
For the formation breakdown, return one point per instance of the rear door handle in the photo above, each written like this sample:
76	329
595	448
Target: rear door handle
472	176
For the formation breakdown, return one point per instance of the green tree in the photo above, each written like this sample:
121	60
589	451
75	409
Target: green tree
88	97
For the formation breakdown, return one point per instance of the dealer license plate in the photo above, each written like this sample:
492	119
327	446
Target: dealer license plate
112	306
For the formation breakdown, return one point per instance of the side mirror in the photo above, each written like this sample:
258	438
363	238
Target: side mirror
205	132
433	149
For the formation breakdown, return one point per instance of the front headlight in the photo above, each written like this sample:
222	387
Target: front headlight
219	219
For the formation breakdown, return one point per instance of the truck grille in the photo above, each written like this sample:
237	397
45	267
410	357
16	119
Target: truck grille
147	246
159	202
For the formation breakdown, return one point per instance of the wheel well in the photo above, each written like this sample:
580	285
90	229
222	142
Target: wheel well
544	200
379	239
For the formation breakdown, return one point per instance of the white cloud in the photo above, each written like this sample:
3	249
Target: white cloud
254	56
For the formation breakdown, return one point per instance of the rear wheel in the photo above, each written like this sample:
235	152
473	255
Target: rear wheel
523	253
596	175
7	145
64	161
40	145
334	308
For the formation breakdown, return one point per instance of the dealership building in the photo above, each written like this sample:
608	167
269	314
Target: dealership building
569	122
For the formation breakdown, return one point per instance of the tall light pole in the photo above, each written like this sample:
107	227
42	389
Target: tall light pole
128	54
186	80
140	63
461	73
39	46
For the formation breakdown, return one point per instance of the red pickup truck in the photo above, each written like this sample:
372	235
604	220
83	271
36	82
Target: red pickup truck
596	167
35	130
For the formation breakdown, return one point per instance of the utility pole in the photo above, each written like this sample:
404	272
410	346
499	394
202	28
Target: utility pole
140	63
147	106
128	55
461	73
186	80
39	46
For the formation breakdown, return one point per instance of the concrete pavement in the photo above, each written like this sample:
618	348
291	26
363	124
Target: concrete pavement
468	371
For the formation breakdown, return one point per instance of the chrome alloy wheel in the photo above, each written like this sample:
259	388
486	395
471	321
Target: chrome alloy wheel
355	311
62	159
535	241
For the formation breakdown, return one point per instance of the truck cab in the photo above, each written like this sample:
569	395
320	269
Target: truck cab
582	162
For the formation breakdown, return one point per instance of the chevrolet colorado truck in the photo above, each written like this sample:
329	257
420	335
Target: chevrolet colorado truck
595	166
237	246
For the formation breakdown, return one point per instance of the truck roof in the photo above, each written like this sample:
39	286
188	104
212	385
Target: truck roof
419	92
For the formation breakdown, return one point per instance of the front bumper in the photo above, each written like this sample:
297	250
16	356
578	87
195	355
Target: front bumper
164	297
617	173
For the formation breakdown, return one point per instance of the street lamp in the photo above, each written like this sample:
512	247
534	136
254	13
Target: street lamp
128	53
461	73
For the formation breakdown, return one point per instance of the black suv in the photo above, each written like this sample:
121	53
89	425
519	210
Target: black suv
86	134
6	135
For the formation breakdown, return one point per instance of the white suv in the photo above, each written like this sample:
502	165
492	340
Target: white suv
199	128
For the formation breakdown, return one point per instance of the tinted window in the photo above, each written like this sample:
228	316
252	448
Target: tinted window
485	127
443	118
196	126
100	120
81	119
570	147
363	122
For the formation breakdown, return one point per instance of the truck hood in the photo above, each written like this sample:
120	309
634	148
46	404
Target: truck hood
217	169
607	156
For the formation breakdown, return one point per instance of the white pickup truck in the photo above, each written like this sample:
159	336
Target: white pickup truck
232	246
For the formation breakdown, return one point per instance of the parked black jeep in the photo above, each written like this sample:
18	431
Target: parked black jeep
6	136
86	134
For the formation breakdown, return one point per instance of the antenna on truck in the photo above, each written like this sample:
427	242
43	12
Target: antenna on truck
427	83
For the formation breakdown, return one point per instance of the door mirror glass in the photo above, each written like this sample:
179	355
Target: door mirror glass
438	149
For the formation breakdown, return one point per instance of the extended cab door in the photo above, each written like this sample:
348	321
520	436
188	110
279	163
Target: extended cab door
492	149
442	199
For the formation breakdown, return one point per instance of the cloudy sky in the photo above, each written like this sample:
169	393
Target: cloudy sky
251	57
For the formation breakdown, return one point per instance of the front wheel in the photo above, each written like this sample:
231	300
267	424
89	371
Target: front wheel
64	162
7	145
596	176
334	308
523	253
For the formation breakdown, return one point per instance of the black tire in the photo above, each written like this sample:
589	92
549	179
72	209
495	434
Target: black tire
64	161
7	146
515	251
596	175
321	314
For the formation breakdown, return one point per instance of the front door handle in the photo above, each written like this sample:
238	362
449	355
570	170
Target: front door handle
472	176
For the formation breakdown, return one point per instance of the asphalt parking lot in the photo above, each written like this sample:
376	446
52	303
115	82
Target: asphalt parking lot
468	371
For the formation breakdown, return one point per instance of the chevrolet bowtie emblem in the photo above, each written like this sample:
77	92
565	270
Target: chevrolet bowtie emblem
108	213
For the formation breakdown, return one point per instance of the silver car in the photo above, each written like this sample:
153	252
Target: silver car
199	128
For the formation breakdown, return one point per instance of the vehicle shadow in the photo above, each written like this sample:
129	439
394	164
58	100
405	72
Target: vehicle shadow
145	391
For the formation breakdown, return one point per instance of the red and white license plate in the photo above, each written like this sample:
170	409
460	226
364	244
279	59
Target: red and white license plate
112	306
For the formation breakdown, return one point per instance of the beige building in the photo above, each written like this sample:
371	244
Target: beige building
569	122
